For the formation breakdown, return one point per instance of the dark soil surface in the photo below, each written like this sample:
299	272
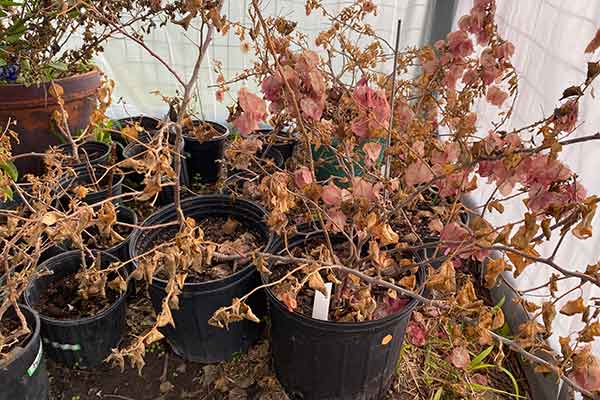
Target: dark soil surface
62	301
8	326
202	131
95	241
231	238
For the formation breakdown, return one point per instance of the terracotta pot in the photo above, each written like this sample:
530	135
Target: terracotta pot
32	107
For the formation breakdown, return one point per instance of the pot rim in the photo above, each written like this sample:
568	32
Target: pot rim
213	139
198	285
94	71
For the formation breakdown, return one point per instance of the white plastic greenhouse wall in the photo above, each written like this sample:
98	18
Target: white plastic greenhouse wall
550	37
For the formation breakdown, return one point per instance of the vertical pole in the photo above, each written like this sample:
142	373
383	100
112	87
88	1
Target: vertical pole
392	100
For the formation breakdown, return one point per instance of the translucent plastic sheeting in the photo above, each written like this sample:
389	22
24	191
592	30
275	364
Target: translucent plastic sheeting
138	74
550	37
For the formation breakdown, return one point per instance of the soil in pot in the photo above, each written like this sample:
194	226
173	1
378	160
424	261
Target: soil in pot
78	332
204	148
23	374
61	300
357	350
231	238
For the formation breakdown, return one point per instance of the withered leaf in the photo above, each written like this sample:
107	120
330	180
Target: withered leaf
444	279
493	269
573	307
572	91
459	357
592	71
118	284
548	315
594	44
590	332
315	281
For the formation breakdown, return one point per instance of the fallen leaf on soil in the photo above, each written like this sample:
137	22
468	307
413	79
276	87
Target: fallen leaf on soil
460	357
415	333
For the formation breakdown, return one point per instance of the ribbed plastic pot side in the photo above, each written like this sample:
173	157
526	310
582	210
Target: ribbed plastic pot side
204	157
26	377
329	360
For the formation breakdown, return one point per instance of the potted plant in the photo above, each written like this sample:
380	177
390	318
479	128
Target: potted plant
190	276
24	374
414	203
40	76
82	306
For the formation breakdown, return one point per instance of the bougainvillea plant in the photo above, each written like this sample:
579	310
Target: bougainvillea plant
335	94
382	163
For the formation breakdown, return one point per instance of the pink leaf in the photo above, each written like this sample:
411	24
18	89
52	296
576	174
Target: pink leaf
417	173
460	357
302	177
311	108
332	195
366	190
415	334
496	96
372	150
337	219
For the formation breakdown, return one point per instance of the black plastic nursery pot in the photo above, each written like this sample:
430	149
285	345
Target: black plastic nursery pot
121	250
149	124
101	177
84	342
135	181
96	153
284	144
326	360
193	338
26	377
204	158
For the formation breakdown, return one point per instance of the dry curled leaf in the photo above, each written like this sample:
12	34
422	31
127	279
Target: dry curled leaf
573	307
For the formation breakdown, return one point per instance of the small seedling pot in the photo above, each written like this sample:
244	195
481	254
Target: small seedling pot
26	377
284	144
327	360
96	152
100	175
84	342
204	158
135	180
193	338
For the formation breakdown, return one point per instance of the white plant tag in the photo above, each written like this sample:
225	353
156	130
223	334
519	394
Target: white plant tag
321	304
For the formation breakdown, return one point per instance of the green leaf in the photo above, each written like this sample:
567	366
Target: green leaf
59	66
438	394
8	192
499	305
10	170
2	62
8	3
480	357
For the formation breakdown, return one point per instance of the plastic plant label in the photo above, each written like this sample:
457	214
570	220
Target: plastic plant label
321	303
64	347
36	362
